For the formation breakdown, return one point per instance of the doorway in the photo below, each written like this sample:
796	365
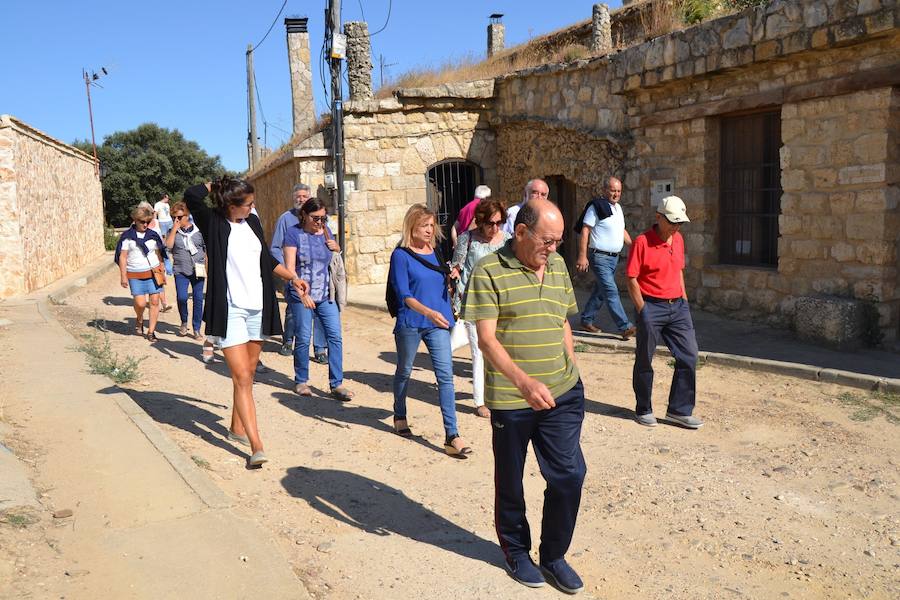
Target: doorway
563	194
450	184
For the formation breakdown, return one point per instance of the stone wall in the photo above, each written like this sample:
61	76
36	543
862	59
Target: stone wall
390	145
51	209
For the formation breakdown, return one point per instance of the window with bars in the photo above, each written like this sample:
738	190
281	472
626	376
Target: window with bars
750	189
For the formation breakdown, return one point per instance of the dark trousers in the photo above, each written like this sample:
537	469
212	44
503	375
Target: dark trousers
555	435
672	322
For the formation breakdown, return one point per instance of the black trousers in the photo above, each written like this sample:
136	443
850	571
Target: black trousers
555	435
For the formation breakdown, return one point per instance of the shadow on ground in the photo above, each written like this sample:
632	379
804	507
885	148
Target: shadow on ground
378	509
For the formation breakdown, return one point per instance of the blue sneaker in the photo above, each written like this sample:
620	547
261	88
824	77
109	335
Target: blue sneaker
563	576
524	571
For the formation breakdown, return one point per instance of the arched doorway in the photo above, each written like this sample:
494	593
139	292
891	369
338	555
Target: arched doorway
450	184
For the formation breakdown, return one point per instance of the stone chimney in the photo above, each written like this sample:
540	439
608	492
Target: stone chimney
301	74
601	30
495	32
359	60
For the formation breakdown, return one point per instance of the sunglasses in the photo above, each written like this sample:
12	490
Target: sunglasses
317	219
493	223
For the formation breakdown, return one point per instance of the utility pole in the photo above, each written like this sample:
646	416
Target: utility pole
90	80
337	47
252	142
382	65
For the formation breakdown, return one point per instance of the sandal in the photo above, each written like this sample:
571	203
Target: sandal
401	428
302	389
139	328
151	337
341	393
458	449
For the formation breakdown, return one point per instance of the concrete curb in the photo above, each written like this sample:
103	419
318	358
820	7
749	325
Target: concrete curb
69	288
790	369
208	492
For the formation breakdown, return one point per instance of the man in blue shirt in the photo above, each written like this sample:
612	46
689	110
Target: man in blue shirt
603	235
299	195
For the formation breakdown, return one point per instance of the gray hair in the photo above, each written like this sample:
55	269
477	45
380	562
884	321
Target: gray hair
527	195
144	204
298	187
482	192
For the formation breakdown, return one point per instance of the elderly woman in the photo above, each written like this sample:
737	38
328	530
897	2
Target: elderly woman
486	238
139	252
419	281
310	248
185	242
240	305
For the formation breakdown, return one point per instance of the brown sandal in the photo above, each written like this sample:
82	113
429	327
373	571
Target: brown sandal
401	428
456	452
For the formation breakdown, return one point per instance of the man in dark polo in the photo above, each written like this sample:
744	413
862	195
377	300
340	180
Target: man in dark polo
656	285
520	299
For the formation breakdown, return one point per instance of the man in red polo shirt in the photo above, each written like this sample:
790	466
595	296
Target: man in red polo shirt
656	285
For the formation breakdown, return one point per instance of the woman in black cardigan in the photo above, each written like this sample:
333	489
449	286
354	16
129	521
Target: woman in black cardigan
241	308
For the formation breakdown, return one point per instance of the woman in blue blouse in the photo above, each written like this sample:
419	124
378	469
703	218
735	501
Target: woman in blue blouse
308	246
419	281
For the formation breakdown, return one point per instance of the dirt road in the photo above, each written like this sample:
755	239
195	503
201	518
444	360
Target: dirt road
790	490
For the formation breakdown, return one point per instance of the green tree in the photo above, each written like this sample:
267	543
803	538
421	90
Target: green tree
147	162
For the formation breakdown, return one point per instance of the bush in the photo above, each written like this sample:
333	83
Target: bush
102	360
110	238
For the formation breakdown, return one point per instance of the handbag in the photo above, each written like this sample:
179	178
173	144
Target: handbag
159	275
199	270
459	337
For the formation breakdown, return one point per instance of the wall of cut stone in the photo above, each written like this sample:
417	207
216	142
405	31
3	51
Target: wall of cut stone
51	209
389	148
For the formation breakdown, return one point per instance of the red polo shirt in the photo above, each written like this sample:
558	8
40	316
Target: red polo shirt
657	265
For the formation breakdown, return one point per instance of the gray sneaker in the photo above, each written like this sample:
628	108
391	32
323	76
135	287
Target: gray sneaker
685	420
647	420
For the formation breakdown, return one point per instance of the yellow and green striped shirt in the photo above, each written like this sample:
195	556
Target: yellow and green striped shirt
530	315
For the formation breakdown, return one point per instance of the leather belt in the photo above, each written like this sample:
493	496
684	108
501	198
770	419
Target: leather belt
661	300
604	252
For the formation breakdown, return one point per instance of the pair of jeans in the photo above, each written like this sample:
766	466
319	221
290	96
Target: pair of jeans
672	322
437	341
605	291
555	435
181	290
290	331
330	317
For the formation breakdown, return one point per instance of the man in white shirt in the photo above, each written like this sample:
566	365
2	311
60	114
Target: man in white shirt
164	215
535	188
603	236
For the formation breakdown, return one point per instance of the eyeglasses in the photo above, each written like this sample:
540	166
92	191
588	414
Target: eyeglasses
539	194
545	242
318	219
493	223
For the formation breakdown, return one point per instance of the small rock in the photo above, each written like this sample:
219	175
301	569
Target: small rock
779	497
63	513
895	541
868	552
325	547
317	454
244	558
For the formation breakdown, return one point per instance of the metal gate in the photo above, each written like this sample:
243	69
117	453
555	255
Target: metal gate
450	185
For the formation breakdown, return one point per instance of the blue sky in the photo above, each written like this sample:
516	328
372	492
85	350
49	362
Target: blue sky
182	64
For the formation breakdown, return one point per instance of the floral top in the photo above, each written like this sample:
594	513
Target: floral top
466	255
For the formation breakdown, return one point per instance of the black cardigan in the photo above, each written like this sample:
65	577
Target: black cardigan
215	230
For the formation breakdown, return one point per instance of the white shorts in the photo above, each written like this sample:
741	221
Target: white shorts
243	326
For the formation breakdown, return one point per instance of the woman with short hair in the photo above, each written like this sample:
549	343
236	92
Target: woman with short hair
419	281
185	242
241	308
486	238
139	251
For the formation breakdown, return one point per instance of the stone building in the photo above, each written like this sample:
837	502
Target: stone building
41	238
777	125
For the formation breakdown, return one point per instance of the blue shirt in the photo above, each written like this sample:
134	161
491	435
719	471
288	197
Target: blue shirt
410	279
313	258
287	220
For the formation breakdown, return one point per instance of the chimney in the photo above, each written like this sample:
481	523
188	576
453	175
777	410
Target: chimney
495	33
359	60
301	74
601	30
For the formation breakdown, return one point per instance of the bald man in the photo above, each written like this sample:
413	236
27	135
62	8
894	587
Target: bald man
519	299
603	235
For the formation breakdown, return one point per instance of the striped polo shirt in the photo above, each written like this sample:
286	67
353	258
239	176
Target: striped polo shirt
530	315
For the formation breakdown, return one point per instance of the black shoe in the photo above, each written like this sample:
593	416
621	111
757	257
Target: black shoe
321	358
563	576
524	571
286	350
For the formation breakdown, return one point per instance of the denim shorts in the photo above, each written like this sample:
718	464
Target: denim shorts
243	326
142	287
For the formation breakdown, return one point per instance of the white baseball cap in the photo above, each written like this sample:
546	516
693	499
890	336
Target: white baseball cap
673	209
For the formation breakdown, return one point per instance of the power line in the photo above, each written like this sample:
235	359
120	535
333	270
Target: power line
271	26
361	10
386	21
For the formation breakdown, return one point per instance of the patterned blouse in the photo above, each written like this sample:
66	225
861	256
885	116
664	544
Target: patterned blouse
466	255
